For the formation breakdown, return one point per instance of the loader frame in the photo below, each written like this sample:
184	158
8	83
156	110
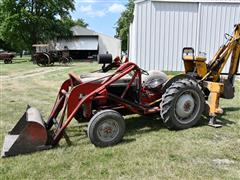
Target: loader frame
90	91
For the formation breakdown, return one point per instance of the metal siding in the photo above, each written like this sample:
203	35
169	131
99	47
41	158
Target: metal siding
142	30
78	43
162	29
131	43
153	39
110	45
133	39
140	34
216	19
173	26
144	35
147	46
198	1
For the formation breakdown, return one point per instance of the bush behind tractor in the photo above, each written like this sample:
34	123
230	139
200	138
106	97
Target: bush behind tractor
103	99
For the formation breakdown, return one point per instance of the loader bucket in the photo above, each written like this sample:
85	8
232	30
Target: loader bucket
28	135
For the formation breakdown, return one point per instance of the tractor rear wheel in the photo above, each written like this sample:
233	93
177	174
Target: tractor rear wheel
182	104
106	128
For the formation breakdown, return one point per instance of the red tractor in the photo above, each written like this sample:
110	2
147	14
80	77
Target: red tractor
104	98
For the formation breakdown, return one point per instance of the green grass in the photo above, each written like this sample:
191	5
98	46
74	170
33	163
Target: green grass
148	151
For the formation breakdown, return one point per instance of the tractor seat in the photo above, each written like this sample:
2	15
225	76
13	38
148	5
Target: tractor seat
97	76
75	79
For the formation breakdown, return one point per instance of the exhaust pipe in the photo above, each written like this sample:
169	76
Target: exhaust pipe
28	135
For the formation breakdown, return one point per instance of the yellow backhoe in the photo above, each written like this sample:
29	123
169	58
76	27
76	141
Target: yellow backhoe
209	75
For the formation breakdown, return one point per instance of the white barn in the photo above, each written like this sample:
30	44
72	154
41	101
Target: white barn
161	28
85	43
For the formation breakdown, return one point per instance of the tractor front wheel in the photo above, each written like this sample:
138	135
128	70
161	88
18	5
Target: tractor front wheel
106	128
182	104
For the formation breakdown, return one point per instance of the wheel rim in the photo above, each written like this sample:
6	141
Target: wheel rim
187	106
108	130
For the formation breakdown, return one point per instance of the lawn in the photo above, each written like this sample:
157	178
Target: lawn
148	150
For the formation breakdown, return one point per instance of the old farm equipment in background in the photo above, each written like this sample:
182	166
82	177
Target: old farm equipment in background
64	56
7	57
43	56
46	55
109	63
103	99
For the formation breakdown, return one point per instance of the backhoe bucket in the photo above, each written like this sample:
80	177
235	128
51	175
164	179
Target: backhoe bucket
28	135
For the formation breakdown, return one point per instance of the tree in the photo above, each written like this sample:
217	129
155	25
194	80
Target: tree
123	24
80	22
69	22
27	22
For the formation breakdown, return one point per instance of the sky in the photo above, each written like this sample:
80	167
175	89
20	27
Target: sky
101	15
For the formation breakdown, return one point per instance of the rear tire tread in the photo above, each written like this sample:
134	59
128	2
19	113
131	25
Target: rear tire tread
168	97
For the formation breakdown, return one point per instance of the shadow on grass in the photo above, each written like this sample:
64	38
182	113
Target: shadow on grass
56	65
83	60
77	130
134	126
230	109
222	118
225	112
143	124
18	61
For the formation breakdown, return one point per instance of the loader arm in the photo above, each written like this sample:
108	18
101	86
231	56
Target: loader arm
32	133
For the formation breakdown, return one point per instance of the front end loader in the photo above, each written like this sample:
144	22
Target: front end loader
100	98
103	99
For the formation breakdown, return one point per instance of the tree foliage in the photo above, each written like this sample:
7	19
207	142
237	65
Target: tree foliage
27	22
123	24
80	22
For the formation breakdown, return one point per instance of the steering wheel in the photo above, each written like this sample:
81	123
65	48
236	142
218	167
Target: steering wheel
144	72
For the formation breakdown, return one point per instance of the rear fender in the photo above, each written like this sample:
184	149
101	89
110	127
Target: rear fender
174	79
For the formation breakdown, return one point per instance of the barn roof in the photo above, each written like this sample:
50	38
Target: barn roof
81	31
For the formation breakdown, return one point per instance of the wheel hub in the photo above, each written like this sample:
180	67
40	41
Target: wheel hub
185	106
108	130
